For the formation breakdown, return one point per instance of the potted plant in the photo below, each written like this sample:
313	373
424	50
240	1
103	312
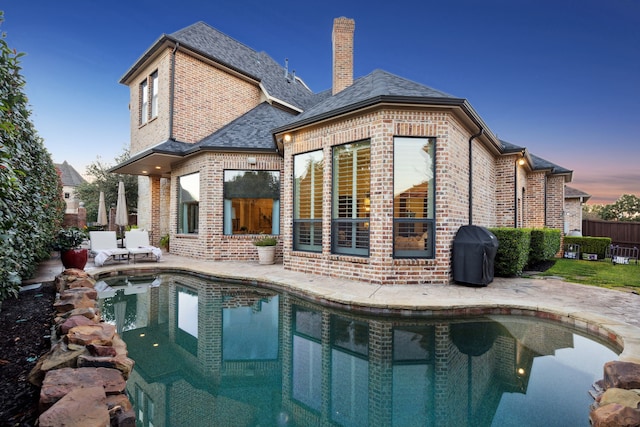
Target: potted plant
68	241
164	242
266	249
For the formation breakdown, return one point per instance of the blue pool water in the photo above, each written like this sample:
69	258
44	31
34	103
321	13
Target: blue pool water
213	354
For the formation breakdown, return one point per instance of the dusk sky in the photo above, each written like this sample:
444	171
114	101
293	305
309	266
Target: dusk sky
560	77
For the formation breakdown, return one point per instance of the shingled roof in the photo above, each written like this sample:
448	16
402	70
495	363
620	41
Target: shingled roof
574	193
251	131
69	176
537	163
373	88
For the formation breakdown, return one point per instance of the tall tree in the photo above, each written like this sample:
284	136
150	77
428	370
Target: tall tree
626	208
89	192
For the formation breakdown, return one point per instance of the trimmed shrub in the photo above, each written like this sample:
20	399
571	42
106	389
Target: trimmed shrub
590	245
545	244
513	250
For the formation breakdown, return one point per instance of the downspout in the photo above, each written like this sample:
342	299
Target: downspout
477	135
172	88
515	194
545	204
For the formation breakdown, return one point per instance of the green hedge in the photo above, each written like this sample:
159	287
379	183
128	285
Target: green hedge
31	206
590	245
545	244
513	250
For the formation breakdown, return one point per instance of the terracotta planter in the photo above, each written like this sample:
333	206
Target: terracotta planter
74	258
266	254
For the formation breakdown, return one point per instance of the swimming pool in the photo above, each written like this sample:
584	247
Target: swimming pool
216	353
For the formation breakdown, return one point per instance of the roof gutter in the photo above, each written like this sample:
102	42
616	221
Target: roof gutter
477	135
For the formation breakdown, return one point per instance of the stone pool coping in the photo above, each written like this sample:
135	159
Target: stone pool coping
609	314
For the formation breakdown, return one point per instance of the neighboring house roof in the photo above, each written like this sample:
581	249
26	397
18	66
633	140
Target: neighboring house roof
205	40
574	193
69	176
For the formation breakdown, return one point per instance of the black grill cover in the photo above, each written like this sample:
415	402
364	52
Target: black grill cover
474	250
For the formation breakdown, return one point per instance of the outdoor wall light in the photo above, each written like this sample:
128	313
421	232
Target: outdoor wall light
287	137
521	161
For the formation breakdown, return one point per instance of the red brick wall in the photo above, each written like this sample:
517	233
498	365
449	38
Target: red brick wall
207	98
452	188
210	242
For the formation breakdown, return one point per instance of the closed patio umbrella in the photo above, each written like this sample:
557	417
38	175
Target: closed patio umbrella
102	210
122	214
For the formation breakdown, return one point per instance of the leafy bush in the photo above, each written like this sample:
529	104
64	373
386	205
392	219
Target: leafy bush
590	245
31	206
69	238
266	241
545	244
513	250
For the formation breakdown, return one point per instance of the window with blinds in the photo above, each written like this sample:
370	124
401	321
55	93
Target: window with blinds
351	199
413	197
307	202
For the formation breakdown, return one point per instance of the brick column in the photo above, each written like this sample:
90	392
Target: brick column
154	226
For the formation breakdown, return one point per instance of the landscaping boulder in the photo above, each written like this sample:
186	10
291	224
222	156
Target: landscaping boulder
71	299
80	407
96	333
624	375
615	415
72	322
60	382
60	356
630	398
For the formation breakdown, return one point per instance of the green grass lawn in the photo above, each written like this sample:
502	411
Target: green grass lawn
599	273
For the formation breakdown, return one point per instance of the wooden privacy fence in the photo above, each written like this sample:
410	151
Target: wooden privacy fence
621	233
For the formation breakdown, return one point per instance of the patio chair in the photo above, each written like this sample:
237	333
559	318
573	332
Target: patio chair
104	247
137	243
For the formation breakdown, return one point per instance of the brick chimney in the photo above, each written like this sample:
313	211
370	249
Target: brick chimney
342	39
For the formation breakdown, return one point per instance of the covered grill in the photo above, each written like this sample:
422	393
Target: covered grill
474	251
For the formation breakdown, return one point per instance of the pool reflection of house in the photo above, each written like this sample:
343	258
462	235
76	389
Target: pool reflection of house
250	355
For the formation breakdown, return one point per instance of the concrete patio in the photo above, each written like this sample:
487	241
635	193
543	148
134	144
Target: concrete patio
611	314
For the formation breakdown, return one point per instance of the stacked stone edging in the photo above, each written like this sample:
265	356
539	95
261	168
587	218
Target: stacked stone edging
618	400
83	376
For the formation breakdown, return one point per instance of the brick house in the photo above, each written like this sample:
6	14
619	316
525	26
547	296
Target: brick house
369	180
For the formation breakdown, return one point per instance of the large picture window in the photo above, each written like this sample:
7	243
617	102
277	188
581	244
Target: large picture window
188	203
413	197
351	199
307	202
251	202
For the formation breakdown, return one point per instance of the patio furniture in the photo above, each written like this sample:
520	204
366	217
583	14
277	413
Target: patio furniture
104	247
137	243
622	255
571	251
